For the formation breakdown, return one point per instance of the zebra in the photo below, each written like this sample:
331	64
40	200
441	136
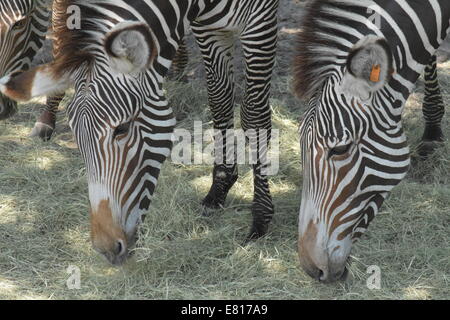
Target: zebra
433	110
23	25
180	63
357	63
46	122
123	125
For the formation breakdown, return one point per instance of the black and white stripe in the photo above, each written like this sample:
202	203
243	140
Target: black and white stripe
433	111
46	122
123	124
23	25
358	62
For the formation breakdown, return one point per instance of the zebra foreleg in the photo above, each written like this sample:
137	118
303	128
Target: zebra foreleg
256	114
7	108
433	112
180	63
45	125
217	51
262	207
258	141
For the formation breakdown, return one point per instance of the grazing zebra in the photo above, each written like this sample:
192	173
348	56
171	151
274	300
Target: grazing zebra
23	25
116	62
358	61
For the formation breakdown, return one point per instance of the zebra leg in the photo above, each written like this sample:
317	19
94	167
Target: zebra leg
179	63
255	112
433	112
217	52
45	125
7	108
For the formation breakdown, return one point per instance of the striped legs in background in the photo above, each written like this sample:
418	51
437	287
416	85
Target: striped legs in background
180	63
259	53
433	111
8	107
217	52
45	125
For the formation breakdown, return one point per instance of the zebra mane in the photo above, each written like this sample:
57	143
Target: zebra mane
318	46
74	44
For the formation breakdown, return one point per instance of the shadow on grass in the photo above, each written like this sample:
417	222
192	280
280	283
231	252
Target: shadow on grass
181	255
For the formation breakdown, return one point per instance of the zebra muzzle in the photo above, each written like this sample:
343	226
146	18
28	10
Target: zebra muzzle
318	259
108	237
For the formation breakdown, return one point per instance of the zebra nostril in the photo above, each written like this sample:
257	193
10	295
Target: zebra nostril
320	275
323	275
120	247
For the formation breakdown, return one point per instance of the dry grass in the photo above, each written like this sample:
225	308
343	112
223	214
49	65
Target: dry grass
44	224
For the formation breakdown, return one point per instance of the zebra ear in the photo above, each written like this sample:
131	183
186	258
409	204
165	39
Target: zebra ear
369	68
36	82
130	47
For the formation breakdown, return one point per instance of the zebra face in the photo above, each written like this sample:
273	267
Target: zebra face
354	152
120	139
17	34
115	139
120	118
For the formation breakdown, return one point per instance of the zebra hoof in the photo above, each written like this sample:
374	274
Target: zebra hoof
7	114
256	232
262	215
427	148
42	131
209	212
210	208
211	204
7	109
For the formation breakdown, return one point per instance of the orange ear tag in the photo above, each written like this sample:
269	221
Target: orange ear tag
375	74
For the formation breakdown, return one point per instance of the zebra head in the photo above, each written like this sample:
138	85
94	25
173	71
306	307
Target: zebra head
23	24
354	152
121	121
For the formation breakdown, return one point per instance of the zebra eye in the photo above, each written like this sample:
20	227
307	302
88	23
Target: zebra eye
121	130
340	150
19	24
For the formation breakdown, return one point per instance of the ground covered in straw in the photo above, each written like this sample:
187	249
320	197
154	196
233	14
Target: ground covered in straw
44	226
